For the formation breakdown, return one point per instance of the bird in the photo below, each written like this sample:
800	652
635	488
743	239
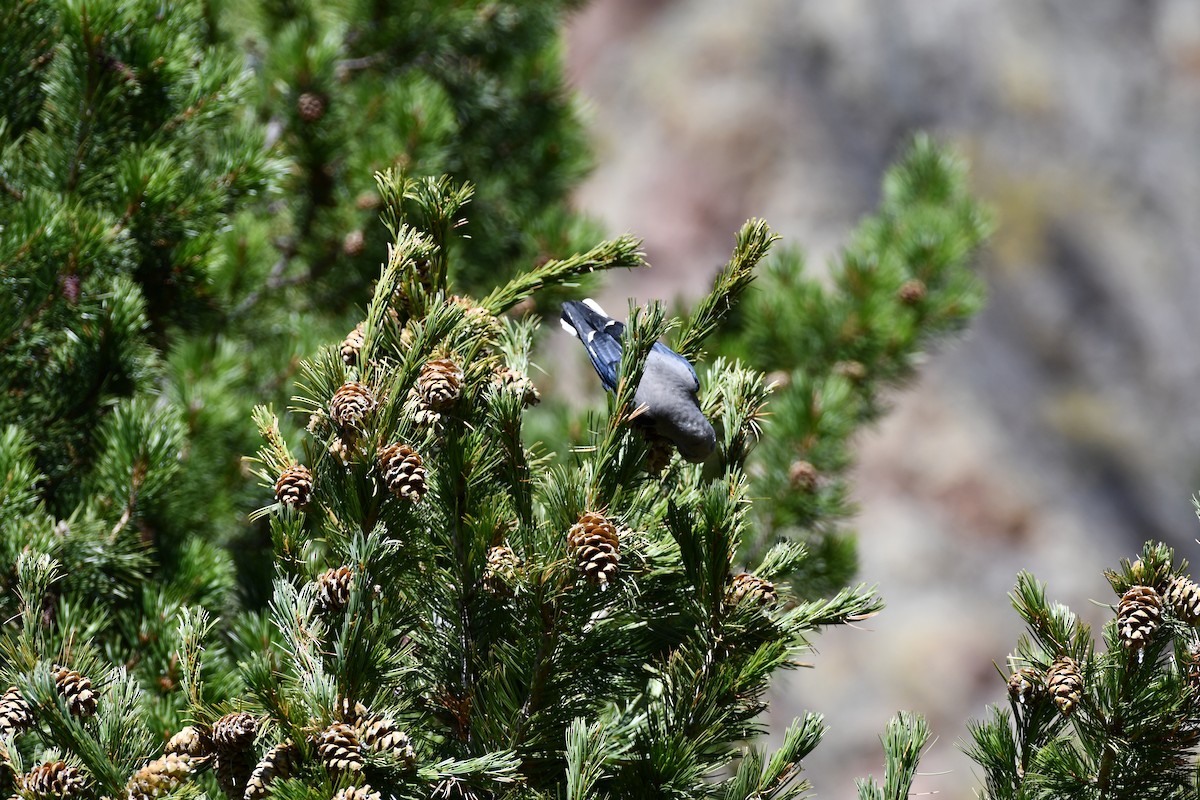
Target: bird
668	387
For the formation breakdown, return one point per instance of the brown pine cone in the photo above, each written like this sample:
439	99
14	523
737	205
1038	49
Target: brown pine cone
353	713
354	242
77	691
746	586
339	748
911	292
16	715
501	570
350	405
440	383
190	741
278	762
333	589
658	453
1191	667
403	471
1065	684
310	106
382	735
352	344
54	779
234	733
294	486
1025	684
1138	616
513	380
1183	598
597	548
160	776
803	476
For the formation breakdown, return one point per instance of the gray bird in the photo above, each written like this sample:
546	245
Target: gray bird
668	387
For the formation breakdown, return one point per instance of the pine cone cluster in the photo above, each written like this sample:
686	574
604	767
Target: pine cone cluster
1183	598
278	762
295	486
517	382
350	405
501	570
440	383
746	586
333	589
403	471
1025	684
1065	684
54	779
597	548
161	776
352	344
233	738
16	715
77	691
1138	616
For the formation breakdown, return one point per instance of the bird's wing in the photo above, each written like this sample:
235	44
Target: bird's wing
601	337
679	364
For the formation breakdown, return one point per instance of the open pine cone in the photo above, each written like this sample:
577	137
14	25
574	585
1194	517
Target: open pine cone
352	344
403	471
77	691
340	749
440	383
597	548
350	405
294	486
54	779
1138	616
746	586
16	716
333	589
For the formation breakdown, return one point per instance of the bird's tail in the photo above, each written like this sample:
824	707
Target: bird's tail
581	317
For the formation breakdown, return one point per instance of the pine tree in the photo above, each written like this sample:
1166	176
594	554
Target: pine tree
1083	721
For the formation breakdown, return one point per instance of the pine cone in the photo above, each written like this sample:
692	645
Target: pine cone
278	762
234	733
911	292
310	106
54	779
352	403
1183	597
382	735
803	477
353	713
352	344
77	691
746	586
403	471
513	380
295	486
501	570
364	792
354	242
1025	684
190	741
160	776
333	589
16	716
339	748
596	546
1138	616
1065	684
440	383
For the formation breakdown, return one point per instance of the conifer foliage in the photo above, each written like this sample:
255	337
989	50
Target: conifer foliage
1112	722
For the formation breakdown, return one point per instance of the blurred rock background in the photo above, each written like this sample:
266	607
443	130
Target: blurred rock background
1061	432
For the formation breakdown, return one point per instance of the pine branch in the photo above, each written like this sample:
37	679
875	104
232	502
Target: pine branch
622	252
903	740
754	241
